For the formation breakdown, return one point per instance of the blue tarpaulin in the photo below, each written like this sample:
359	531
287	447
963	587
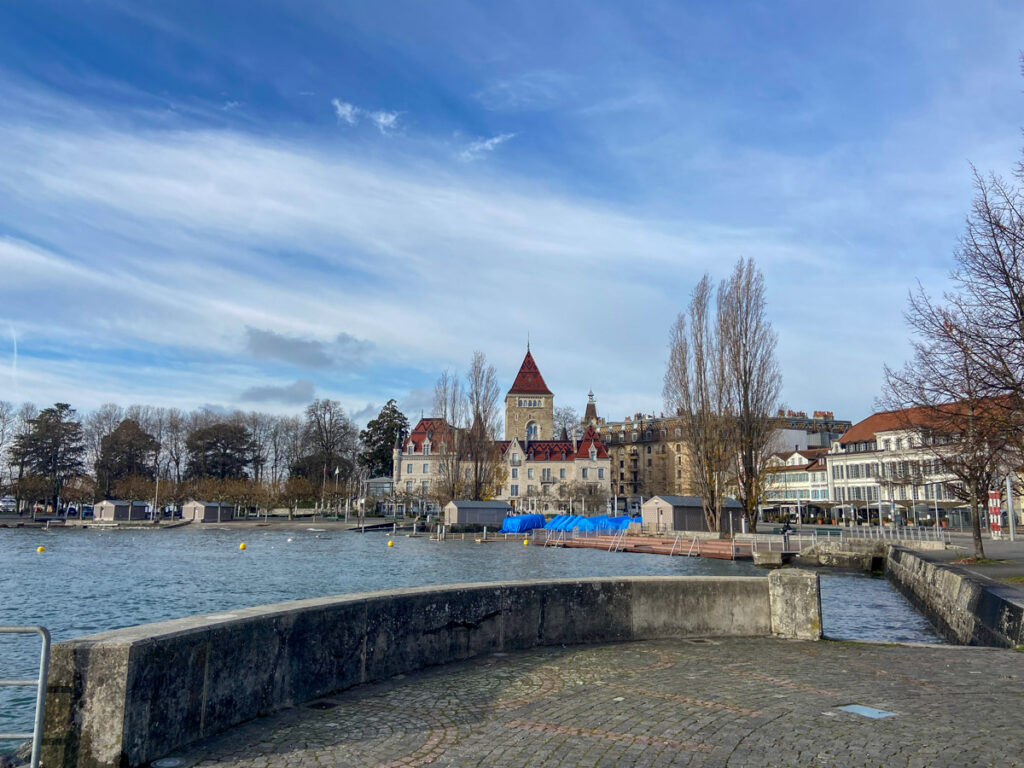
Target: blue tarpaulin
521	523
596	523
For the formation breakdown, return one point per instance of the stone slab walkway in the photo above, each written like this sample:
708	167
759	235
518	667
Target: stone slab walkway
729	702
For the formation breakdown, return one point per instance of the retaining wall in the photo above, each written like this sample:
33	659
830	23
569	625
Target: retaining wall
123	698
967	609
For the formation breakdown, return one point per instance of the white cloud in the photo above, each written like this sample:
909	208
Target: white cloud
348	113
476	148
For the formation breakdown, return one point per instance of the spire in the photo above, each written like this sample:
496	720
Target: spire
529	381
590	413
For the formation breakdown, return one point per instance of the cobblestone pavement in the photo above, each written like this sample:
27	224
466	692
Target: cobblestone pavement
728	702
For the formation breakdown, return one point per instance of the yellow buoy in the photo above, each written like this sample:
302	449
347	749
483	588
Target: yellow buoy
526	542
242	545
40	550
391	543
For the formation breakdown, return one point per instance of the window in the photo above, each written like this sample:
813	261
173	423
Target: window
600	474
515	458
593	453
408	469
467	474
425	486
408	486
426	469
584	473
515	473
409	447
648	462
529	473
426	449
513	490
561	474
648	449
887	445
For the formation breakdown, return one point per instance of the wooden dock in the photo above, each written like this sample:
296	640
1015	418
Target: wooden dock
719	549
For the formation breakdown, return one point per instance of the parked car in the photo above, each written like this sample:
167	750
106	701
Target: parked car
8	505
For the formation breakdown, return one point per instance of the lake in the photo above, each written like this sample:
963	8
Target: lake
93	580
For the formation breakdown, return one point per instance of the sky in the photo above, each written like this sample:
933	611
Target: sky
252	204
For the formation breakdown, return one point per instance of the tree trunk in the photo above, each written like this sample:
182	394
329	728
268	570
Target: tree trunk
979	547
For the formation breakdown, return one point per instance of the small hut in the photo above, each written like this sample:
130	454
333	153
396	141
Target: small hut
686	513
116	509
476	512
207	512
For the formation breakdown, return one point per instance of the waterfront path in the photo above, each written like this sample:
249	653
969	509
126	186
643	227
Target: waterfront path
728	702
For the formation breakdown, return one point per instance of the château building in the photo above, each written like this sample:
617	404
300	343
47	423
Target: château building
538	470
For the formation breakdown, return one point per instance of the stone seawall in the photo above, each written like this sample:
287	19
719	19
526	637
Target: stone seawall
967	609
127	697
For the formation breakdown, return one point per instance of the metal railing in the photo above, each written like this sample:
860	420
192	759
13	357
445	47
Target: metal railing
40	685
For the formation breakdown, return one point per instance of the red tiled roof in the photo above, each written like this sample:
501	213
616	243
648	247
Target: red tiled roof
591	438
528	380
946	417
554	450
430	425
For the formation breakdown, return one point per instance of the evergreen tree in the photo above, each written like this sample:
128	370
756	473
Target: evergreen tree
379	439
222	451
52	448
128	451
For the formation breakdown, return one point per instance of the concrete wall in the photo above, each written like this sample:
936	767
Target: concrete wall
967	609
126	697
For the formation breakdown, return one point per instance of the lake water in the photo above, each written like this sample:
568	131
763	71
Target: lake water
94	580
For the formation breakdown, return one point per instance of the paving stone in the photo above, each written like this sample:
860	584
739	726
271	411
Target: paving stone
739	702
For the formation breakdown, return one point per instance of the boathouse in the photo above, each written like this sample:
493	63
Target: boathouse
207	512
476	512
662	514
116	509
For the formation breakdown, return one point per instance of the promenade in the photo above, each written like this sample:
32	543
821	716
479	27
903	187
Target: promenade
729	702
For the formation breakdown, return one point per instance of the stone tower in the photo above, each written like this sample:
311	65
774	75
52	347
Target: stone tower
529	405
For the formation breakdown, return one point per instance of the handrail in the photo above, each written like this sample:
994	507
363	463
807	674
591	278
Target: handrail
40	683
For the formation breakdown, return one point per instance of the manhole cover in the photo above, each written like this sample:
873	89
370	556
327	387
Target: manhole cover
168	762
322	705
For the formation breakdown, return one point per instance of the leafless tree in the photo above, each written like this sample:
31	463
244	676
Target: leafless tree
484	427
753	380
173	445
568	418
697	390
333	438
97	425
451	406
945	399
8	422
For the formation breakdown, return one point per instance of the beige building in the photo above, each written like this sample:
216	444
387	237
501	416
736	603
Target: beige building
207	512
539	470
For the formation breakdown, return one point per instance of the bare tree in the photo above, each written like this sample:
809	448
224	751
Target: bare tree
8	422
484	427
173	445
696	389
96	426
753	380
568	418
946	400
450	405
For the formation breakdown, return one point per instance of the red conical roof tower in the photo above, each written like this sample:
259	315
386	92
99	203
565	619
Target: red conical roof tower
529	381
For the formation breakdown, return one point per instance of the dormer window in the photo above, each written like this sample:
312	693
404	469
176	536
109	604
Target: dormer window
426	449
593	453
409	448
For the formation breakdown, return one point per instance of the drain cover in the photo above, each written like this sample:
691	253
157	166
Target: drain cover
874	714
168	762
322	705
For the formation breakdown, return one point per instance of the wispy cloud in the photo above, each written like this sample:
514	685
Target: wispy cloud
230	105
347	113
478	147
350	114
307	353
299	392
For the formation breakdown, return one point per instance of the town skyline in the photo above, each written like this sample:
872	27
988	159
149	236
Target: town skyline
192	218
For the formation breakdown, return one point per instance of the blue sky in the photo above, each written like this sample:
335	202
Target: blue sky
252	204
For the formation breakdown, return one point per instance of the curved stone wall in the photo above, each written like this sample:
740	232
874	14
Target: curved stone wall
127	697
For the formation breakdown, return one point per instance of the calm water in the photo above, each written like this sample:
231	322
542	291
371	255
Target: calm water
90	581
